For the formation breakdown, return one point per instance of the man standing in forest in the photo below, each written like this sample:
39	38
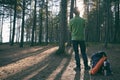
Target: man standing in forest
76	26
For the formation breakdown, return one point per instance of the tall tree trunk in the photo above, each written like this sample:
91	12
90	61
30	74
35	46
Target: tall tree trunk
34	25
63	25
40	22
97	38
40	27
14	23
71	16
46	36
71	8
51	39
10	25
117	25
22	31
107	22
0	30
1	38
86	3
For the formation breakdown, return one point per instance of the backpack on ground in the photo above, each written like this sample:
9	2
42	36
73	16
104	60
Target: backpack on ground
100	64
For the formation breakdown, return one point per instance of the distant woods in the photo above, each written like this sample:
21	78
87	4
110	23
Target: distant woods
103	20
46	21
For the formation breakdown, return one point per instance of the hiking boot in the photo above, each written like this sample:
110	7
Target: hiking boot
87	67
77	69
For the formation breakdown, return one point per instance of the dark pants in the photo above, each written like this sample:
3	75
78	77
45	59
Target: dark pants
76	44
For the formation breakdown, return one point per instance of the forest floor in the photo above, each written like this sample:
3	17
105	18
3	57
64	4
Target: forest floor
41	63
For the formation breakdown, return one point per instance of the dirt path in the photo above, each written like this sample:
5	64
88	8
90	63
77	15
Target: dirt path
41	63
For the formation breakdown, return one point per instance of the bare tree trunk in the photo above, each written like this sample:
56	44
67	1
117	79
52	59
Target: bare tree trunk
71	9
40	27
46	36
117	25
40	22
97	38
34	25
10	25
0	31
1	38
107	22
14	23
86	3
71	16
63	26
22	31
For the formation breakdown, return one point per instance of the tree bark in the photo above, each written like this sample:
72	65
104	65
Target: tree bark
63	26
22	31
14	23
46	37
34	25
40	22
117	26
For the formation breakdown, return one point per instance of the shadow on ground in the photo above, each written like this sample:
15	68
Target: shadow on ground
14	54
60	67
50	68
